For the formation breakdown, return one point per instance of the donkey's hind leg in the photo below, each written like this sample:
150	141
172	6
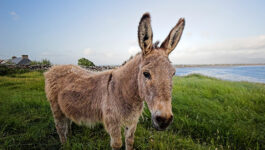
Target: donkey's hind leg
63	124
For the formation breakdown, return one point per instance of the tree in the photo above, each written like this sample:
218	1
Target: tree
85	62
46	62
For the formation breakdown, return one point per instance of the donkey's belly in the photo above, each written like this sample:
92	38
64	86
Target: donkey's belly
80	107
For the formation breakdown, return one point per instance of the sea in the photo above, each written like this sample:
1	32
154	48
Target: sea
232	73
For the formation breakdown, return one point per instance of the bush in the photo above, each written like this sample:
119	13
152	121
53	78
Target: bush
46	62
4	70
85	62
43	62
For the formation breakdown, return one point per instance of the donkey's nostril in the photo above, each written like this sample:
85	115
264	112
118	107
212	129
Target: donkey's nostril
160	119
163	122
170	118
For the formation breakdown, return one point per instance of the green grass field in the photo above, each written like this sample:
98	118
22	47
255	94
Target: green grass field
208	114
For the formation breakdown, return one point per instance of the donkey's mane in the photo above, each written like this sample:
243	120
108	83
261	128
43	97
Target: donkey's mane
156	45
126	61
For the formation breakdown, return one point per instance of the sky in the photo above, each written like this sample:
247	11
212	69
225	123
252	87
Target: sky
105	32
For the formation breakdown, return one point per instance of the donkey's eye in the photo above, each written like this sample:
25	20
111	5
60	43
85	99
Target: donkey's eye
147	75
174	73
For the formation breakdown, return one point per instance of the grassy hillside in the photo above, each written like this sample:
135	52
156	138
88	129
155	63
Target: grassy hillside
208	114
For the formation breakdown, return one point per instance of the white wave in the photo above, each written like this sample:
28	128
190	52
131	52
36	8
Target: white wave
220	73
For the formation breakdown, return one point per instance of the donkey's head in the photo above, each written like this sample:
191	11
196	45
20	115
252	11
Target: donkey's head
156	71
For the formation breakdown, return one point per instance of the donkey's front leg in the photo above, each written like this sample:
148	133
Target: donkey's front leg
129	136
114	131
115	135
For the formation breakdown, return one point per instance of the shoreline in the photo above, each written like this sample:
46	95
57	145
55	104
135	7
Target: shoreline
213	65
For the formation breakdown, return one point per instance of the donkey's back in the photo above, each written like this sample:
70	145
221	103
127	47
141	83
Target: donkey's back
58	77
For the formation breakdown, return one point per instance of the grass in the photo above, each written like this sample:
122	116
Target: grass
208	114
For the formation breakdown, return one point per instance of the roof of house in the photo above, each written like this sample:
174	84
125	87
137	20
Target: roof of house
5	61
20	61
16	60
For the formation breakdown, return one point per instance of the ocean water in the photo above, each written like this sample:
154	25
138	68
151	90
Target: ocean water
233	73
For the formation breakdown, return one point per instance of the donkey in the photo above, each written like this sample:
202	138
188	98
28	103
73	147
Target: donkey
116	97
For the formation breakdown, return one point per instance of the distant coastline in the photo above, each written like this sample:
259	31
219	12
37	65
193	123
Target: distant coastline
232	72
214	65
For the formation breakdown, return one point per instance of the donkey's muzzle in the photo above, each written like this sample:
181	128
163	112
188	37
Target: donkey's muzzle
161	123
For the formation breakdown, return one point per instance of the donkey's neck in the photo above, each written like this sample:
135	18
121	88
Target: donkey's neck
125	82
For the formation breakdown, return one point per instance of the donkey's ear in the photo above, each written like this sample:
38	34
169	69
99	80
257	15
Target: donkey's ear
174	36
145	34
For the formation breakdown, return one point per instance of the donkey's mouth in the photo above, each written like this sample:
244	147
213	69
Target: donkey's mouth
161	123
157	127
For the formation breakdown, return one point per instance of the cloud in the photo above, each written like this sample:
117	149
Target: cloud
239	50
87	52
108	54
205	35
134	50
188	34
240	44
14	15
